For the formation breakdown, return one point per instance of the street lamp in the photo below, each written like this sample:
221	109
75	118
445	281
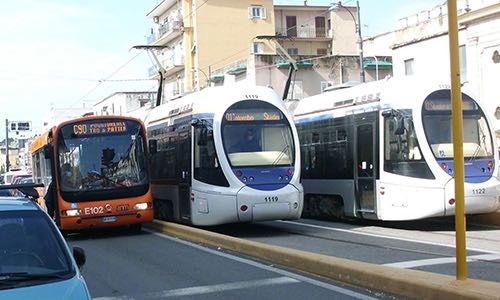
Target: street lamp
360	38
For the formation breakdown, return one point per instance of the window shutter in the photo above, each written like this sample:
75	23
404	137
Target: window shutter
263	13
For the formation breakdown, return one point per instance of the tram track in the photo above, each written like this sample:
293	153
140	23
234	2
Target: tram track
301	236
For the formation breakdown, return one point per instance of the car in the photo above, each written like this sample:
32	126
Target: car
35	260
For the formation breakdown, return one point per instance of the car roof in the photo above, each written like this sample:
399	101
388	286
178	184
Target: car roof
16	203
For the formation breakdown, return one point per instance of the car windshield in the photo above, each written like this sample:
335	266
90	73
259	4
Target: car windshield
30	245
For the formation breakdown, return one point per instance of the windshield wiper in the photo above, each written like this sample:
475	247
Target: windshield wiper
17	276
275	162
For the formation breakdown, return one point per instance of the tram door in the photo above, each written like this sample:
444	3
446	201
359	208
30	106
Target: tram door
365	161
184	165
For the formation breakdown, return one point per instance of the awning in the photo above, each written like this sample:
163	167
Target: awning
237	70
217	78
281	64
381	64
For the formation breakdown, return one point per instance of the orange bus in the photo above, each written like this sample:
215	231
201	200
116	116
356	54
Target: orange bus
95	171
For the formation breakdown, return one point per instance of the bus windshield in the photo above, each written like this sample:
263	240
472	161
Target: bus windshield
438	127
255	133
101	155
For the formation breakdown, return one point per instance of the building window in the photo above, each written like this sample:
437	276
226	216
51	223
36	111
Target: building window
321	51
256	12
409	66
462	56
293	51
257	48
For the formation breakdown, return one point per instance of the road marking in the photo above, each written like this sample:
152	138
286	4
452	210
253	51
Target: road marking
207	289
265	267
440	261
384	236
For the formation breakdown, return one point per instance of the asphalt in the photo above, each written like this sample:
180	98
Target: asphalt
407	283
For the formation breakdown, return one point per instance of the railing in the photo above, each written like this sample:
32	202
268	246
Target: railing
304	32
164	29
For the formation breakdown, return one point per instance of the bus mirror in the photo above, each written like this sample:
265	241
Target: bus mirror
202	136
400	125
47	151
153	146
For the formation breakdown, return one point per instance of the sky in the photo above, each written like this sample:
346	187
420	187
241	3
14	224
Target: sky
70	53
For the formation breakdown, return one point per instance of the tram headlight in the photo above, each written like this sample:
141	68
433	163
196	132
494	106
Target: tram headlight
71	212
141	206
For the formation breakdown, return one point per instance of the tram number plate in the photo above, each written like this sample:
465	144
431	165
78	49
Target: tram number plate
478	191
109	219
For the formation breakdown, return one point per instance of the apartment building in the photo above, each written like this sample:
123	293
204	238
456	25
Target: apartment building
202	40
225	42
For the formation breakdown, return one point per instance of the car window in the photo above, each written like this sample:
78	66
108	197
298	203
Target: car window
30	244
6	193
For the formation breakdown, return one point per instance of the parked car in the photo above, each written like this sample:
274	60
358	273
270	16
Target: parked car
35	260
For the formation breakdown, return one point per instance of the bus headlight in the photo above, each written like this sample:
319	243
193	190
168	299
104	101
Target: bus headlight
141	206
71	212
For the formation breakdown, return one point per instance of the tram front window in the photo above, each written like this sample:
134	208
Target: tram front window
101	161
437	120
257	134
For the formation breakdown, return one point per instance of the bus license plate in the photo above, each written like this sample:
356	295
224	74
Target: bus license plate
109	219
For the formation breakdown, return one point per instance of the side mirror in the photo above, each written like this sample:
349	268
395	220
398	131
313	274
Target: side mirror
153	146
202	136
387	113
400	125
47	151
79	255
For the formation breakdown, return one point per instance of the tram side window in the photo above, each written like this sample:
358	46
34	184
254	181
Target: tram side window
165	156
207	168
402	153
325	151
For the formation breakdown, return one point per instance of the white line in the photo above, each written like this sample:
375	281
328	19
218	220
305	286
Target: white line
206	289
440	261
221	287
266	267
385	236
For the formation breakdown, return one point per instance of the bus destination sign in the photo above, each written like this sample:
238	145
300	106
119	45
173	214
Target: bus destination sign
240	116
100	128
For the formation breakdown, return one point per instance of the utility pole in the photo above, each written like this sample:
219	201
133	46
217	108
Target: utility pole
361	65
7	162
357	23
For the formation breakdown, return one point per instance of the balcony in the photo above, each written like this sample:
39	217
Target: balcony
305	32
166	32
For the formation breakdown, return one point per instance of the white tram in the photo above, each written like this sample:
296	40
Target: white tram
225	155
384	150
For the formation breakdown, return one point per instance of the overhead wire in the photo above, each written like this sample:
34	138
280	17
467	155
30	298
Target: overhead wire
101	81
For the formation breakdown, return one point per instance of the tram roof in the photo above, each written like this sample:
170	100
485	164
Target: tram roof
394	92
209	101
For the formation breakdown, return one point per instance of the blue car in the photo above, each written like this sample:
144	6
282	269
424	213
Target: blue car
35	260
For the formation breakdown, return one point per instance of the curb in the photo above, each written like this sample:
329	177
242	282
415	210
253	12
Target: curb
403	282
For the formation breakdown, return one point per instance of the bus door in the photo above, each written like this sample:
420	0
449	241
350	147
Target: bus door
364	160
184	167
